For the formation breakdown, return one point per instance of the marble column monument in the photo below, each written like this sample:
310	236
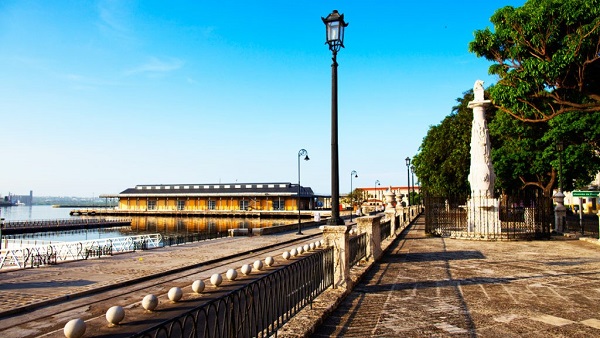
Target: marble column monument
483	218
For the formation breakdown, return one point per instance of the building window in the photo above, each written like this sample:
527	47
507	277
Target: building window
180	205
212	205
278	205
151	205
243	205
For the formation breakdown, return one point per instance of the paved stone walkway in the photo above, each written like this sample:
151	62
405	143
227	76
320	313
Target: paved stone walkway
436	287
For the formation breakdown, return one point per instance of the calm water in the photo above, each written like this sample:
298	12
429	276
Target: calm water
139	225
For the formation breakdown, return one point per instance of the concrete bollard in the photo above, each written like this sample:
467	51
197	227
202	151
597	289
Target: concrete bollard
150	302
286	255
306	247
74	328
269	261
175	294
198	286
216	279
258	265
299	250
246	269
115	315
294	252
231	274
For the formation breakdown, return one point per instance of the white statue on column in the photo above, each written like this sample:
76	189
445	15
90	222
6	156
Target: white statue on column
481	173
483	217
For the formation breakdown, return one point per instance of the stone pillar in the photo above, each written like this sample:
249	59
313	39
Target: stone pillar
391	214
371	226
338	236
483	213
560	212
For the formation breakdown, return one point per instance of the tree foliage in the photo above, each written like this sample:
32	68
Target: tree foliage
547	57
524	154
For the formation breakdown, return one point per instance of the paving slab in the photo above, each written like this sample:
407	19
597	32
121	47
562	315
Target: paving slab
437	287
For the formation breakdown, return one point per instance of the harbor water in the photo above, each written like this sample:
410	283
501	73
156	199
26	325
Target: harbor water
140	225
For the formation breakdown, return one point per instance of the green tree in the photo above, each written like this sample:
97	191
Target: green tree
546	55
357	197
525	154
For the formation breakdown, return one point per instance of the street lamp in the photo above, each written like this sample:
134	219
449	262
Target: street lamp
559	148
408	179
412	171
334	29
352	175
375	194
301	153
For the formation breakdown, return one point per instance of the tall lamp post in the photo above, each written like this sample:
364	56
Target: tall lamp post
408	178
352	175
375	195
334	29
301	153
559	149
412	171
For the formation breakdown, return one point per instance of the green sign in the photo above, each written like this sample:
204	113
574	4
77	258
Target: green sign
582	193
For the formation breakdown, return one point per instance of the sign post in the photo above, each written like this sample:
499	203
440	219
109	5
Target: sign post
584	193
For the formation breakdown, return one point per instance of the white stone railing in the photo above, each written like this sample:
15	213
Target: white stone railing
20	257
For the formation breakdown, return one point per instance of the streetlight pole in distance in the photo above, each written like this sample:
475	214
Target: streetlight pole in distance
408	179
412	171
352	175
334	29
375	194
301	153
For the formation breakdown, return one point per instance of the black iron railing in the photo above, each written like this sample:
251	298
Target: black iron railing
259	308
385	228
587	225
190	238
506	217
358	248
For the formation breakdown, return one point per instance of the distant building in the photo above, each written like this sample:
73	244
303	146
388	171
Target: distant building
376	195
216	196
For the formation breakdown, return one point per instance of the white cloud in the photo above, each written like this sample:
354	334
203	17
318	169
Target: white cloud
155	67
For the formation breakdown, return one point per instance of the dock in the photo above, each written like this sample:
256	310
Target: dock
31	226
305	214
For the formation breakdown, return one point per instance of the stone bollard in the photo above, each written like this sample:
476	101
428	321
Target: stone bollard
560	212
75	328
115	315
216	279
198	286
338	237
371	226
150	302
231	274
175	294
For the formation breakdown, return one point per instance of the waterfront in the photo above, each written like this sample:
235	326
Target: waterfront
167	226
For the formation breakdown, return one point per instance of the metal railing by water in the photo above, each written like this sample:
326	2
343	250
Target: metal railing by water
385	228
259	308
68	251
358	248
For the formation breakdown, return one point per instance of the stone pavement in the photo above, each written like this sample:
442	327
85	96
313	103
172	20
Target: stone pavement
31	288
436	287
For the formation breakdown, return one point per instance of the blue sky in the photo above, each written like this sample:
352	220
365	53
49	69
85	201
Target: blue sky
99	96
